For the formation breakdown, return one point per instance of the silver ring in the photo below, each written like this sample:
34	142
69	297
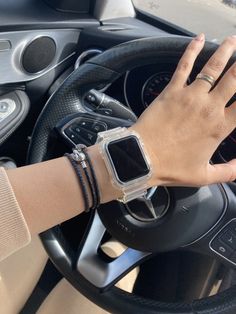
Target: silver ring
207	78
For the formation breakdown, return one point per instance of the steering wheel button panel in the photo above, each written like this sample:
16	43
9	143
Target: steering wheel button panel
221	248
224	242
86	134
82	128
72	136
99	127
229	239
91	125
85	123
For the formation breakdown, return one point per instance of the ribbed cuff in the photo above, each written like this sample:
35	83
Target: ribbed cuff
14	232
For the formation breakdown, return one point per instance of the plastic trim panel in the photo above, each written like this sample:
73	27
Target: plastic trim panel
10	62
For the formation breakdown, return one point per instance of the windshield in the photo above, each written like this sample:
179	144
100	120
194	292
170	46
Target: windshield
216	18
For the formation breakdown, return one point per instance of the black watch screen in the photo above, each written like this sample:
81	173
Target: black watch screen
128	159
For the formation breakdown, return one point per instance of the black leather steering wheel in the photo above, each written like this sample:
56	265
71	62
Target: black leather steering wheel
209	208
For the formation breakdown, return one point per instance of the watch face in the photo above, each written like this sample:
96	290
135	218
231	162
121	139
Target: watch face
127	158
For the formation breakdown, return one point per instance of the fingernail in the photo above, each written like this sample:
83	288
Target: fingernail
234	36
200	37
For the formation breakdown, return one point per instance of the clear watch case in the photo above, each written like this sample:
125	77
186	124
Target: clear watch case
133	188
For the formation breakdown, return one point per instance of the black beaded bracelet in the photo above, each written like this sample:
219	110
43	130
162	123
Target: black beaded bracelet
80	178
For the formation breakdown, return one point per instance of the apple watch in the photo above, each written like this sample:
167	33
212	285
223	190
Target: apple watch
126	161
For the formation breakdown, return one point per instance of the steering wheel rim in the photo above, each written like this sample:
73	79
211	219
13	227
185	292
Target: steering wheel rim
68	99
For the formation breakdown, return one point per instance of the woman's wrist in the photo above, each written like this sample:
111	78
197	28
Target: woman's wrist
156	176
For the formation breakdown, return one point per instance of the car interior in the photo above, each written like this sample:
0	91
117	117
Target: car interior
69	70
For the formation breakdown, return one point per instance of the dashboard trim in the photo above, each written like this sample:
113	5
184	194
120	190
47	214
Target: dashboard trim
10	62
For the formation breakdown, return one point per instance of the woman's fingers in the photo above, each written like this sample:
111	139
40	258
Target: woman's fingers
226	87
222	172
216	64
186	62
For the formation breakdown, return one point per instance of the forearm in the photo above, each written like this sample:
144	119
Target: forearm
49	193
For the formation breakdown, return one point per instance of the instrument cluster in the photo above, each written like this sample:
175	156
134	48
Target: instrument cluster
142	85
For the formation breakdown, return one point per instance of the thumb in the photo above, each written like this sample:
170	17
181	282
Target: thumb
222	172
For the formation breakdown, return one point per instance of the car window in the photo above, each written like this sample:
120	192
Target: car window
216	18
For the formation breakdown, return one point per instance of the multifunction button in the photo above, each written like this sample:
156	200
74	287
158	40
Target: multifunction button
84	131
221	248
224	242
229	239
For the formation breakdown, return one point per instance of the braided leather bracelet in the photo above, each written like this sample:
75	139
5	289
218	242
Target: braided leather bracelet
82	184
94	178
79	159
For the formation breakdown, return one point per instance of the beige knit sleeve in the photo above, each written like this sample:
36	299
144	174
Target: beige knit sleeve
14	232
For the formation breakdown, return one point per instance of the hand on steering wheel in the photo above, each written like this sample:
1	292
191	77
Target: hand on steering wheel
180	150
183	126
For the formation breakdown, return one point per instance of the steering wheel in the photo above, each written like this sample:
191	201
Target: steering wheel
197	219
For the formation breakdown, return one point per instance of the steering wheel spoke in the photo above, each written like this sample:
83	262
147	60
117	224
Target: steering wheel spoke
103	272
220	241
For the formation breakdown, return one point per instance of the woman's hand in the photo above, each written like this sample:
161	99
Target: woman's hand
183	127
